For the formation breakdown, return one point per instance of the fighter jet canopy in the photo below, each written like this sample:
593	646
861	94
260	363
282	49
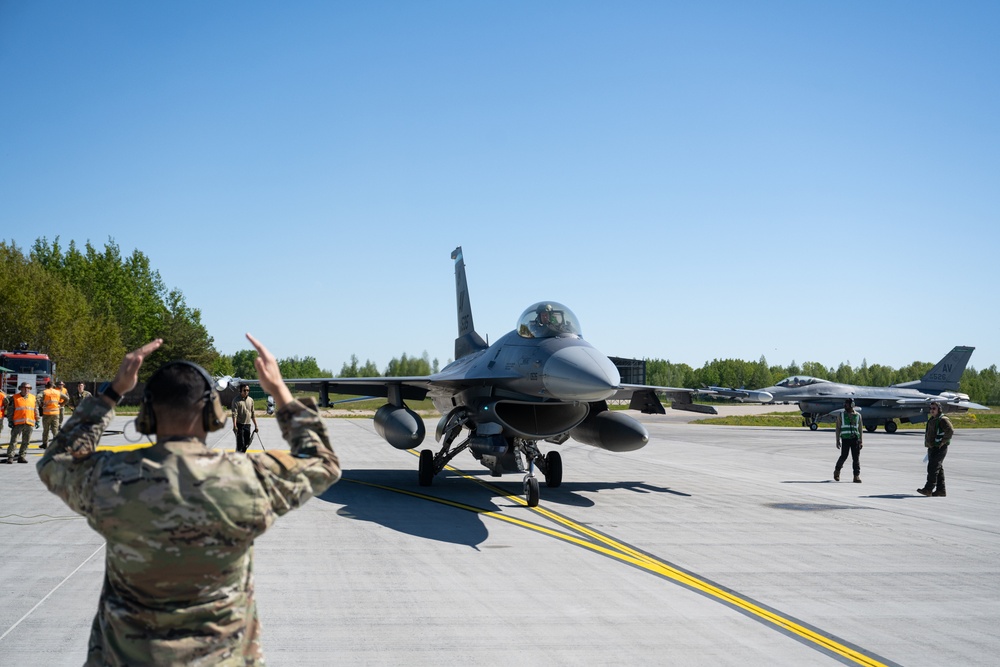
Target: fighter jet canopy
799	381
546	319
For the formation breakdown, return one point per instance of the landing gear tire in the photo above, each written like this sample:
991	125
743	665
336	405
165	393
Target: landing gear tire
890	427
425	472
531	491
813	426
871	427
553	470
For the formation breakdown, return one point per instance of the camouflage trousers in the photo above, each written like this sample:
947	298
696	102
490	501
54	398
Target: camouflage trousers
24	431
49	423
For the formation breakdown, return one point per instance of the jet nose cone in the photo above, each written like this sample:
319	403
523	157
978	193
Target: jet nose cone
580	374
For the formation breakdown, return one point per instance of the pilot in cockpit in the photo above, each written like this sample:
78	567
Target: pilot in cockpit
547	319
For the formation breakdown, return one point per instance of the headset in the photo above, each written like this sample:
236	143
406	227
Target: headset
213	416
849	402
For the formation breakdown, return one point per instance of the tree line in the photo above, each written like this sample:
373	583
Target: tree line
981	386
85	307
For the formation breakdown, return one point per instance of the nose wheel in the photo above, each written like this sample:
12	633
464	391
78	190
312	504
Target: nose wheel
531	490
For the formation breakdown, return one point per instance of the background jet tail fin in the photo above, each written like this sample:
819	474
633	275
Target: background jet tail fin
468	340
946	373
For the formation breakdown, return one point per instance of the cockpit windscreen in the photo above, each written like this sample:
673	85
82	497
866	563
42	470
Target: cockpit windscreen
799	381
546	319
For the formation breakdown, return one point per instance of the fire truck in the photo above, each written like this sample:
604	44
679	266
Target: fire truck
25	365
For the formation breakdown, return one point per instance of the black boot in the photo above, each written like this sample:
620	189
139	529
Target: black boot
21	459
926	491
836	475
940	492
857	479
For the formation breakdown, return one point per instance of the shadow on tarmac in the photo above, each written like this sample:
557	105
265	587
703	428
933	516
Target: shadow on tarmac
808	481
392	505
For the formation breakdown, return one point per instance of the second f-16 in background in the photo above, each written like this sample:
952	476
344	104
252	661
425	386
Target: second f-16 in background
820	400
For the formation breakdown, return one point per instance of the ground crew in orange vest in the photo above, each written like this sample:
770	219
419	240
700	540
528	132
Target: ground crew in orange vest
52	402
22	417
62	406
3	409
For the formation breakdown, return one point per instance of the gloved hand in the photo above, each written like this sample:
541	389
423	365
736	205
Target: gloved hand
838	445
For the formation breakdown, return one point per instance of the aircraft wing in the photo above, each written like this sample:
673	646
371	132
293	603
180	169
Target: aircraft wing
414	387
953	402
863	399
739	394
645	398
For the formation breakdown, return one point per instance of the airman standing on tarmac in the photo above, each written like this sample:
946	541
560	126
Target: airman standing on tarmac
22	417
52	402
81	394
849	427
180	519
62	405
3	410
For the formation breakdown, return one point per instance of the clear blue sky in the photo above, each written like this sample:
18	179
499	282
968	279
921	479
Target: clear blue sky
809	181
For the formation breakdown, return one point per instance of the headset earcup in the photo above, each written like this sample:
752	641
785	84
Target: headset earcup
214	417
145	421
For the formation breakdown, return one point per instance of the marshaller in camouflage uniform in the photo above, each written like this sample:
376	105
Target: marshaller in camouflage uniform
180	520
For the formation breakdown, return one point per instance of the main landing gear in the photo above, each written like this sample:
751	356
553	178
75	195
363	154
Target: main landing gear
513	459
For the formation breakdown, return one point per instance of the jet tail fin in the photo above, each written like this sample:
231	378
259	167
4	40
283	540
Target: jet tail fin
468	340
946	373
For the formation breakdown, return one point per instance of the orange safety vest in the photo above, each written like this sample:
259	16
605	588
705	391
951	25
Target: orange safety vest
24	409
3	405
51	398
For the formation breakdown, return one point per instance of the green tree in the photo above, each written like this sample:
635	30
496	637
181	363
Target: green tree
184	337
761	375
223	365
127	289
243	364
39	308
405	365
301	367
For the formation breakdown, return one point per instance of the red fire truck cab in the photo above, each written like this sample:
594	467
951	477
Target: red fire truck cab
25	365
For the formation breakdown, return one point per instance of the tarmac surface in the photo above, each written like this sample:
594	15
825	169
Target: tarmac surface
712	545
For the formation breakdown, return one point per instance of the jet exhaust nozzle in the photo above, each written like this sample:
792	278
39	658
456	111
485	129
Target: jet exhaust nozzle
400	426
613	431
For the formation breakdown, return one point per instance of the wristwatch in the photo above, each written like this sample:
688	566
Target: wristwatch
109	391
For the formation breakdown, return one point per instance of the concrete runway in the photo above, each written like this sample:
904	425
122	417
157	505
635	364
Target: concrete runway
711	546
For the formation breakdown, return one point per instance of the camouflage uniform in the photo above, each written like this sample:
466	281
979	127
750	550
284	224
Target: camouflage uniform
62	405
180	522
75	401
51	401
21	432
937	437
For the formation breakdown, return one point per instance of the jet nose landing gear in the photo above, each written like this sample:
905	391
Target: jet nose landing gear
531	490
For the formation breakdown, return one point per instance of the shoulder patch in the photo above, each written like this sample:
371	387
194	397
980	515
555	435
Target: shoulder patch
284	459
